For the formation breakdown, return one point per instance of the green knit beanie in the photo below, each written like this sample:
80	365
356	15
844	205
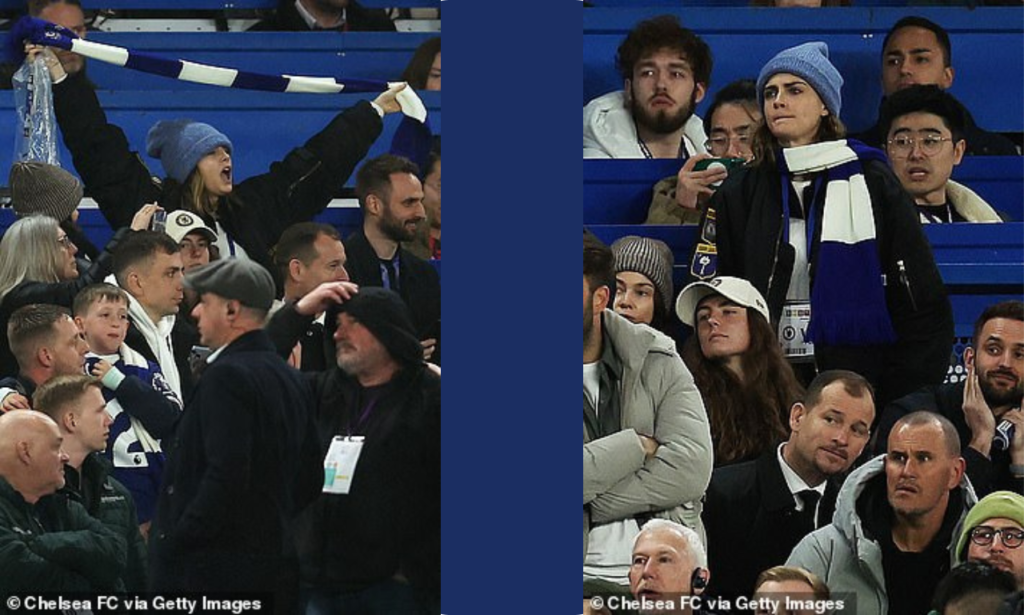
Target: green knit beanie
996	505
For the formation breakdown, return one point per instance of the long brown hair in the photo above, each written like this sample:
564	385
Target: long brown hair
748	417
764	144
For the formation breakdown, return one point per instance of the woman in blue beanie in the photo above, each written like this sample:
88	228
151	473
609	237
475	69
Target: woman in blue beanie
821	226
249	216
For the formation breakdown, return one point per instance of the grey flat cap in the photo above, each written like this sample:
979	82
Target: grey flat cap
243	280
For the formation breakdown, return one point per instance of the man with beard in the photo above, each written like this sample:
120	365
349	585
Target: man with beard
666	70
391	197
985	405
382	514
993	533
646	442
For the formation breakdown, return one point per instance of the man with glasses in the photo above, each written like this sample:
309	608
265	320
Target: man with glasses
731	122
993	533
917	51
924	129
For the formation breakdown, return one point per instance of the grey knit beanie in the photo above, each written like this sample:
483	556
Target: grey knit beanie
650	257
40	188
809	61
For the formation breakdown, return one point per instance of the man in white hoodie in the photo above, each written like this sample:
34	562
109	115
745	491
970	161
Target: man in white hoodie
666	70
925	139
147	265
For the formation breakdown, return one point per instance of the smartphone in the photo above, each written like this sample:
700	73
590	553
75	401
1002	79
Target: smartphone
159	223
197	356
727	163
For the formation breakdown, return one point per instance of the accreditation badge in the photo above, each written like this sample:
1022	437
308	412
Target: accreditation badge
340	463
793	323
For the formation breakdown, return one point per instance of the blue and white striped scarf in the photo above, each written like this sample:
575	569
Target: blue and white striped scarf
847	294
42	32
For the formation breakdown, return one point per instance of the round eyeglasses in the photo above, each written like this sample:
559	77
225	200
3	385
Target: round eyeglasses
902	145
719	144
1011	536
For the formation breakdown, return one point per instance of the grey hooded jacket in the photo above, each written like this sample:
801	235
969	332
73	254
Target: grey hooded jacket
844	557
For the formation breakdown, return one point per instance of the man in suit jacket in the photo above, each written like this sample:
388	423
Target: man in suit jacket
244	459
319	15
762	508
391	197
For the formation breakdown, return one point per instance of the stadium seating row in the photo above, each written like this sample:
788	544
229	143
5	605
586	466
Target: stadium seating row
980	263
263	126
619	191
343	214
723	3
987	54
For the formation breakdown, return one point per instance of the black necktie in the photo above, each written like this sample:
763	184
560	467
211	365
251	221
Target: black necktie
810	499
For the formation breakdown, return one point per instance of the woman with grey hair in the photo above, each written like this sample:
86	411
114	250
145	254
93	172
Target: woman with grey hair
37	265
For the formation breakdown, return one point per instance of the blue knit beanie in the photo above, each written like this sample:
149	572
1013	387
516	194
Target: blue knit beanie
809	61
180	144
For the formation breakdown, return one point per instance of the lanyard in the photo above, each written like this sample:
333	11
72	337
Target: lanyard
809	211
647	153
365	414
936	218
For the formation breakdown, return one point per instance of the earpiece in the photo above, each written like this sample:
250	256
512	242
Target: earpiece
697	580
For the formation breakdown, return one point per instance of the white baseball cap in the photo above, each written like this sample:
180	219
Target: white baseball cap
737	290
181	223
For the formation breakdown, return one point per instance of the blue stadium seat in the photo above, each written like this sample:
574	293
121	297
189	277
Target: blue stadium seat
743	39
619	191
263	126
980	264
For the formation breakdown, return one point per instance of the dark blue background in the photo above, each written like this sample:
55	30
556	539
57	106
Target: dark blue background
511	487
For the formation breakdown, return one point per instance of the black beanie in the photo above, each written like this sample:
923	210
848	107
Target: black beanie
383	312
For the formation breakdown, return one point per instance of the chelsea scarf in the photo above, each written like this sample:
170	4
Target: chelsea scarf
847	294
42	32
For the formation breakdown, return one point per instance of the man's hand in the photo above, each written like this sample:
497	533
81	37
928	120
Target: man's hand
979	416
53	65
1016	417
695	186
429	345
15	401
387	101
144	217
650	445
324	296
